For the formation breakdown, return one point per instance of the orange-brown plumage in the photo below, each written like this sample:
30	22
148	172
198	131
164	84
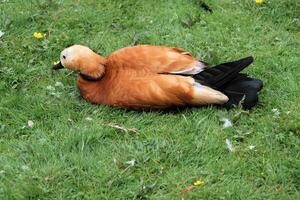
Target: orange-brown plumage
148	76
140	77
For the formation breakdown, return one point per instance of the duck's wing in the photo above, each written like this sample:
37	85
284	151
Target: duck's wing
156	59
162	91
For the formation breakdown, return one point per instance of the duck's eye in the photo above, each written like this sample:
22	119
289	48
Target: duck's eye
64	57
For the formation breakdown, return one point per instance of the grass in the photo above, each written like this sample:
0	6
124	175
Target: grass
66	156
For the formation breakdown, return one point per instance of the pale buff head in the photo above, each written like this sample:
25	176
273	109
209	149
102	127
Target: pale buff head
82	59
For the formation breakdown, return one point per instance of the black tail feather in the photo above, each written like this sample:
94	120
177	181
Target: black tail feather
242	89
243	81
219	75
227	78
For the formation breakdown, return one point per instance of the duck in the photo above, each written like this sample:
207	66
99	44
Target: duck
159	77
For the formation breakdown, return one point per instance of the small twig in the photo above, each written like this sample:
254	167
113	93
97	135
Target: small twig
69	73
192	186
121	128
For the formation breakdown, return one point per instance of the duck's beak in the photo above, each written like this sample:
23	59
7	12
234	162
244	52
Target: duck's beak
57	66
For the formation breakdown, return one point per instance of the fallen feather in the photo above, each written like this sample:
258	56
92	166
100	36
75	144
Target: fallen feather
30	123
2	172
50	88
121	128
58	84
275	111
88	119
131	162
226	122
229	145
56	94
297	21
25	167
1	33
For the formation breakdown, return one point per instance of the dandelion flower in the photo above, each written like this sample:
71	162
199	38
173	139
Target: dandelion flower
198	182
55	62
259	1
38	35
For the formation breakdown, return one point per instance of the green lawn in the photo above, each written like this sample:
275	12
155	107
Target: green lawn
71	152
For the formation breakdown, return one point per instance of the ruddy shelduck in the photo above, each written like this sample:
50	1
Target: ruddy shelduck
148	76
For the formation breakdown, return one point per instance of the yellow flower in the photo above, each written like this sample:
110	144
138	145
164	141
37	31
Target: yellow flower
39	35
56	62
198	182
259	1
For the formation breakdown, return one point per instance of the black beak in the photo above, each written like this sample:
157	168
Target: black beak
57	66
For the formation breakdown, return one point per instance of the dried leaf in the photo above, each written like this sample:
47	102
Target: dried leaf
49	178
188	188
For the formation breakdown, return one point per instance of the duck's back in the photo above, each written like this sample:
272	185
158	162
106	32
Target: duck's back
153	59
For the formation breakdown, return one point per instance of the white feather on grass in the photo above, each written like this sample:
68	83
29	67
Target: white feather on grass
1	33
229	145
226	122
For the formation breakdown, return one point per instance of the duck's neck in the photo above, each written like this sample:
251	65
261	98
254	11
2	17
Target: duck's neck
94	68
90	90
89	78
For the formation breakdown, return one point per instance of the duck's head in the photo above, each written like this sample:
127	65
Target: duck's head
82	59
